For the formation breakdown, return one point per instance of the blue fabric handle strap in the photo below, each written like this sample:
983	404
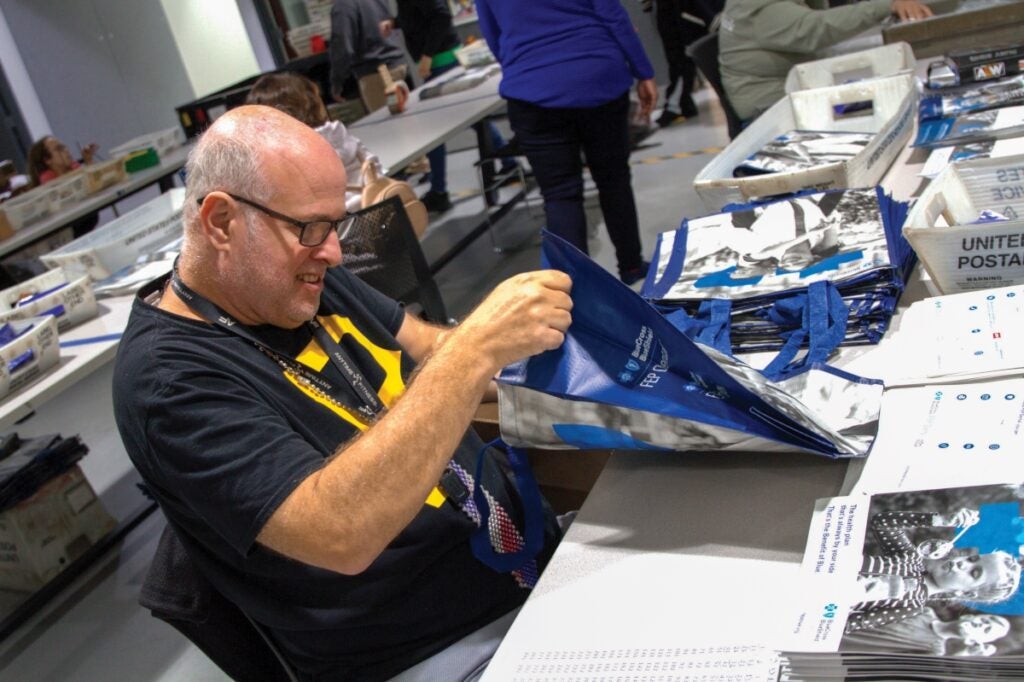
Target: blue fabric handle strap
533	513
715	333
823	327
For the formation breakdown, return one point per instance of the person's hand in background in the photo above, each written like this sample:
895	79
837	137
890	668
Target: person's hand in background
911	10
647	91
386	28
424	66
89	152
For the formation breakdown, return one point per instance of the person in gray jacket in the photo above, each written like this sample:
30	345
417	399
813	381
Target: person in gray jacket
761	40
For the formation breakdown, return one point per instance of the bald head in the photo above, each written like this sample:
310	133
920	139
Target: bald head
245	152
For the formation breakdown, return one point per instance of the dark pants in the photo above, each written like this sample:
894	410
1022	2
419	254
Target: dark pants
552	139
676	35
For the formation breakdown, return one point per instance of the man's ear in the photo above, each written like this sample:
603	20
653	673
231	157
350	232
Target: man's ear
220	217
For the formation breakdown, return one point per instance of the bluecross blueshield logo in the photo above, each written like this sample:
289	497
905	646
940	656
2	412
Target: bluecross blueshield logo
632	366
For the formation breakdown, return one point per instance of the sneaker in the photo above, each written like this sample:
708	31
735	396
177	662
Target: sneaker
437	202
668	117
634	275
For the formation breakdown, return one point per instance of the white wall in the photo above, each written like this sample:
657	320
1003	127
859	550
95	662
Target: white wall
213	42
21	85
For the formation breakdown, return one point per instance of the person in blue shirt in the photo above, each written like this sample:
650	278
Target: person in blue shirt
567	68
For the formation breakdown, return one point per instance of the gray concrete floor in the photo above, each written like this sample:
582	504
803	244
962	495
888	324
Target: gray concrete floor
96	631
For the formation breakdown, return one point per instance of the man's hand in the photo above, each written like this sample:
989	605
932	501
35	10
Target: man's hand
525	315
386	28
911	10
647	91
424	66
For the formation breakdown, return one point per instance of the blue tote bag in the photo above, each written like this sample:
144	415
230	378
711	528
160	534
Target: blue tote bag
626	377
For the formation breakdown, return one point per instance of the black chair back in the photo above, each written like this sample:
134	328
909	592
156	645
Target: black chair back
382	250
175	592
704	53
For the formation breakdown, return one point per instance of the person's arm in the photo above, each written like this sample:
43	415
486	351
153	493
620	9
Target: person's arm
489	27
344	515
621	28
794	27
438	27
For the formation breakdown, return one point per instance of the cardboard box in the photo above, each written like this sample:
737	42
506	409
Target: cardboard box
101	175
891	119
564	476
41	536
120	242
71	304
877	62
967	26
958	253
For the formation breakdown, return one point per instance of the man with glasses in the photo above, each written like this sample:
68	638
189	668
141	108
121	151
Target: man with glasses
266	397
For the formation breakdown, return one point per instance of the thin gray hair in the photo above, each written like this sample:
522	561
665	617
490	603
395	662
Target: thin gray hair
227	163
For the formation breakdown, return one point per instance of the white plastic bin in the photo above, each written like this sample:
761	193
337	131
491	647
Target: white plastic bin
959	253
120	242
891	119
38	344
876	62
76	299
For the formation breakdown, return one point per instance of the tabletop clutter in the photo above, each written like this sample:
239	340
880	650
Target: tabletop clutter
745	336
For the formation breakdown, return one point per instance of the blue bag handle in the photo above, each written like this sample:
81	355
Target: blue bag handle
715	332
533	513
824	327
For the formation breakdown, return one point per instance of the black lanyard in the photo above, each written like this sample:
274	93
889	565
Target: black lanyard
372	405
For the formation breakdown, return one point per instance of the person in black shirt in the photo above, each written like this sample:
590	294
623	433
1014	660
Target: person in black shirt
309	440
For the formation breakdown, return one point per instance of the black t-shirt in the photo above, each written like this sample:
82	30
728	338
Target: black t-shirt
222	436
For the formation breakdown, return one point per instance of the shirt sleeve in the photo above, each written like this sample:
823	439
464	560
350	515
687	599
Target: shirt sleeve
794	27
214	435
489	28
624	32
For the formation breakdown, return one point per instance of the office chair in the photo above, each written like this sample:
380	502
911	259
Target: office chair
176	593
382	250
704	53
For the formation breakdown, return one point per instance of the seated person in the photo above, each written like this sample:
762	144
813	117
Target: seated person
48	159
299	96
269	401
759	41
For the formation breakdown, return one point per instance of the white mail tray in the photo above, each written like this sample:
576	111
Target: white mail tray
876	62
891	119
959	253
36	351
72	303
162	141
120	242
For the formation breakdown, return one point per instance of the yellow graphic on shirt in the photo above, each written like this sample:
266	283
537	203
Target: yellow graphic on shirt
391	388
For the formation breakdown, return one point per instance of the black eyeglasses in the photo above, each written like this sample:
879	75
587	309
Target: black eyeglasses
311	232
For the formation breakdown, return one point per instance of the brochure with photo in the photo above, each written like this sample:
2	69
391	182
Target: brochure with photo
919	582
